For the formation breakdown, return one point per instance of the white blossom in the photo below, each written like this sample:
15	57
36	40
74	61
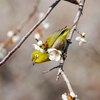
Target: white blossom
38	48
39	43
16	37
10	33
73	94
46	25
64	97
80	40
41	15
3	52
69	96
54	54
83	34
37	36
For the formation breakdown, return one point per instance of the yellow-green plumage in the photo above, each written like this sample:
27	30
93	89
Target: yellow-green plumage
56	40
42	57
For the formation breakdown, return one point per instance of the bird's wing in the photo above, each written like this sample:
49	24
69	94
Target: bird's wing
53	37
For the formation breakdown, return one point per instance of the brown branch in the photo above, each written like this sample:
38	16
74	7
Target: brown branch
29	33
79	13
60	70
67	81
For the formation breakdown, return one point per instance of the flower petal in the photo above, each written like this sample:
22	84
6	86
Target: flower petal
16	37
37	36
51	57
46	25
73	94
39	43
80	43
83	40
57	58
36	47
10	33
42	50
78	38
41	15
83	34
59	52
51	50
64	97
54	54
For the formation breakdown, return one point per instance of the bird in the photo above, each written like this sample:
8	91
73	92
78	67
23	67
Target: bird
52	47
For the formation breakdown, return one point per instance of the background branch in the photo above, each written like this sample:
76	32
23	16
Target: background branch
29	33
22	24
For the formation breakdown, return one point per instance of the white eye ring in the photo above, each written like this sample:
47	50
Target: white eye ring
36	55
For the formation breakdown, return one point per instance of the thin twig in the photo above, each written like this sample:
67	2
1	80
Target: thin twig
67	81
29	33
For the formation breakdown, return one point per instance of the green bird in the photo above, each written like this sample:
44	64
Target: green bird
52	47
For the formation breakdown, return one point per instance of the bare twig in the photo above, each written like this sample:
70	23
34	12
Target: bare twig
60	71
67	81
29	33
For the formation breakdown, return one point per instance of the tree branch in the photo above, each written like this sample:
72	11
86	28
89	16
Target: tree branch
60	70
29	33
67	81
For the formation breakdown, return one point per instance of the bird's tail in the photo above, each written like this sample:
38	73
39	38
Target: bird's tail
67	30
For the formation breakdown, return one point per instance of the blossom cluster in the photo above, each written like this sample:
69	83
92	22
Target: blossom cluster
14	37
81	39
71	96
54	54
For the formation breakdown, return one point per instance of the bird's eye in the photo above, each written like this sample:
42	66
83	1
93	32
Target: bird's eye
36	55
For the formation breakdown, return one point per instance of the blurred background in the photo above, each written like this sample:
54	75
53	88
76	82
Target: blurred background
20	80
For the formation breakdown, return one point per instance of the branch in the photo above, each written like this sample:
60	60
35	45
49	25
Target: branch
79	13
30	32
67	81
60	70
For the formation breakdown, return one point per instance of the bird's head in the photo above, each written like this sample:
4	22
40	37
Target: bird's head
38	57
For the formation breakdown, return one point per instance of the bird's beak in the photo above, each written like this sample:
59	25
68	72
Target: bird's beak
34	61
